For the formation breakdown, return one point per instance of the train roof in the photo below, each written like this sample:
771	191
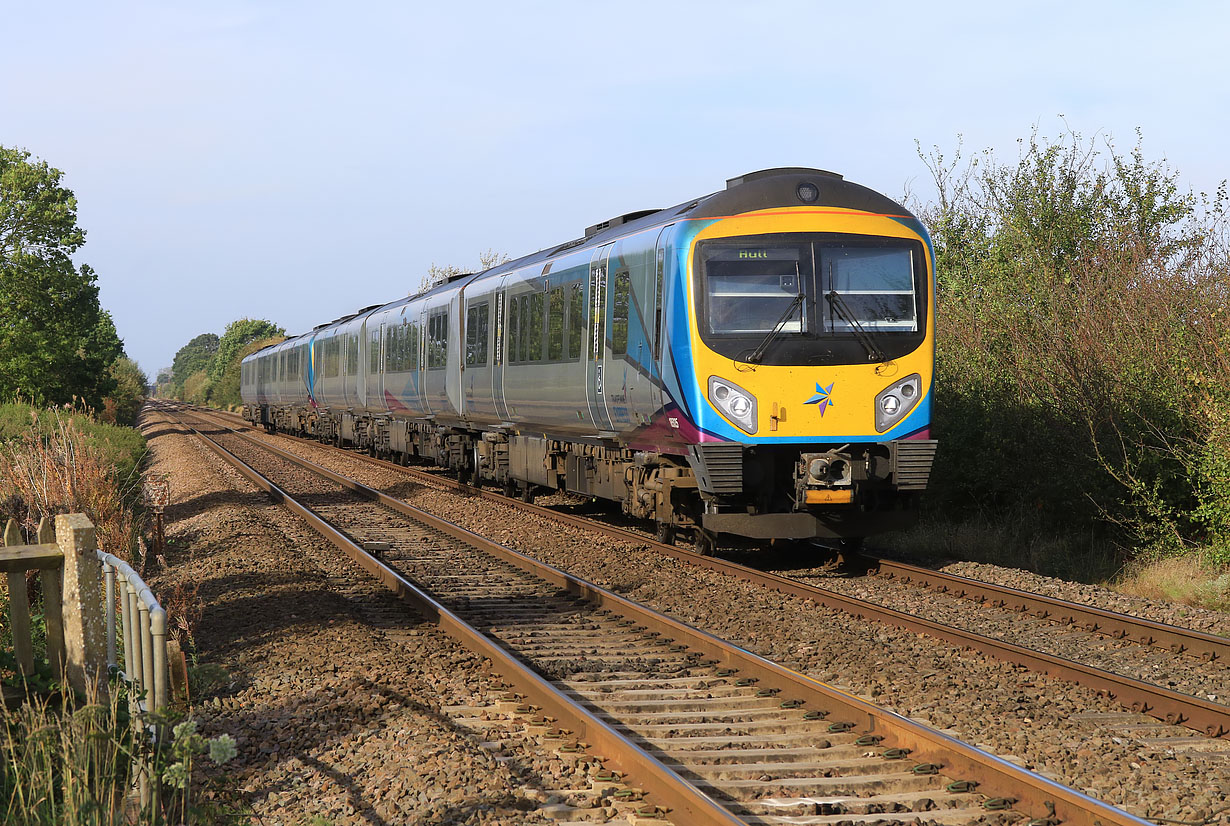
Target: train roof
752	191
762	189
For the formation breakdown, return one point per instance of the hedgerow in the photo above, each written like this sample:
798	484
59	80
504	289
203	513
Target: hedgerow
1083	362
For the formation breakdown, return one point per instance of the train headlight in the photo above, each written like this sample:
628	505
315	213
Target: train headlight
808	192
896	400
734	402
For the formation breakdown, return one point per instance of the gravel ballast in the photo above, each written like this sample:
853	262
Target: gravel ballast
342	705
1064	731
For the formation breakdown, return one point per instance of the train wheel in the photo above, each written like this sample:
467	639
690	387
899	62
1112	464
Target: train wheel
705	542
476	478
527	493
665	533
509	488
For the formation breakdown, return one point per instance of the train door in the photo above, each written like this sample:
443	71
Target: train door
641	313
361	363
497	350
658	319
595	389
420	369
374	363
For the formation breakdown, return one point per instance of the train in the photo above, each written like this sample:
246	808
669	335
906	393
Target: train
757	363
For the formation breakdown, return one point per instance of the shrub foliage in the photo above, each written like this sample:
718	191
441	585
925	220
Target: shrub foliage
1083	365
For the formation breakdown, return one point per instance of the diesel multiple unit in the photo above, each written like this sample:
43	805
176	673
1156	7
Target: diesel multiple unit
755	362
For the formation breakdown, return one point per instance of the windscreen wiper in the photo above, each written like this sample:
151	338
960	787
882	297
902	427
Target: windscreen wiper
758	353
840	307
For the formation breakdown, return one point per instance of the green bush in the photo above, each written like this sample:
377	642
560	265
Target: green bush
225	392
123	405
122	447
1083	362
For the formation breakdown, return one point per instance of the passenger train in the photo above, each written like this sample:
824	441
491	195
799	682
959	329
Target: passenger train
755	362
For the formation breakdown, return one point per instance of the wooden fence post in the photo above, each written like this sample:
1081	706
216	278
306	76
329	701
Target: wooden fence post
85	640
19	605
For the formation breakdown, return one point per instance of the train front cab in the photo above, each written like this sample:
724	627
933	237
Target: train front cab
812	341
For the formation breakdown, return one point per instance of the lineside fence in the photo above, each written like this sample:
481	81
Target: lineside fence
87	639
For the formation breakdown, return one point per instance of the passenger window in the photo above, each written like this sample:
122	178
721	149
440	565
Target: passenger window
476	335
437	345
619	314
514	329
523	353
373	344
332	363
555	331
533	329
352	355
576	320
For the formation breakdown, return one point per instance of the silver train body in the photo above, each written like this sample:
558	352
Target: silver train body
592	367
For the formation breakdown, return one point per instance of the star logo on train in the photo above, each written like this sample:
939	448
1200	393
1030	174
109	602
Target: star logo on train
823	397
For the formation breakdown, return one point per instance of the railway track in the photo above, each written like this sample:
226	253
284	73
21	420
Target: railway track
1200	714
710	732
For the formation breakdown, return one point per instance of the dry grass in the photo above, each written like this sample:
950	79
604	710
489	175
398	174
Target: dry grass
60	469
1177	579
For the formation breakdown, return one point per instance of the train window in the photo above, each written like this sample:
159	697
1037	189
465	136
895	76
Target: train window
413	334
392	348
523	353
437	341
533	326
514	329
619	313
576	320
373	350
875	285
555	325
476	335
352	354
751	287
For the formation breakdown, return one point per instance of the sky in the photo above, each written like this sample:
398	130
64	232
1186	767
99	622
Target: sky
298	160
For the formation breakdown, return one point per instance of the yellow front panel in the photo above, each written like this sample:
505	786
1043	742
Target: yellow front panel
782	392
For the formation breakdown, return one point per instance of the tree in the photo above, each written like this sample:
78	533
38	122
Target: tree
225	392
192	358
124	403
438	275
56	341
237	334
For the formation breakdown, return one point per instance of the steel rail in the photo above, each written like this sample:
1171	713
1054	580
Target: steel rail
668	789
1173	707
1032	794
1176	639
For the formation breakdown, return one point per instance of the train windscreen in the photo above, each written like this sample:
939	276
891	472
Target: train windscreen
808	289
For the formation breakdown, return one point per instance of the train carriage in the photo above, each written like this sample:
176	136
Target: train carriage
755	362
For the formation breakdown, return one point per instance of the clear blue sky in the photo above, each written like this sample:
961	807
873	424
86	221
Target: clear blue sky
298	160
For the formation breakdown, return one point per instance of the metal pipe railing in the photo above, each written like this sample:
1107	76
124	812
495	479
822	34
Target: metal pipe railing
144	625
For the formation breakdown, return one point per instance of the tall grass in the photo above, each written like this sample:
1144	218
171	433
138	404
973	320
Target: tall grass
67	765
63	462
82	765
